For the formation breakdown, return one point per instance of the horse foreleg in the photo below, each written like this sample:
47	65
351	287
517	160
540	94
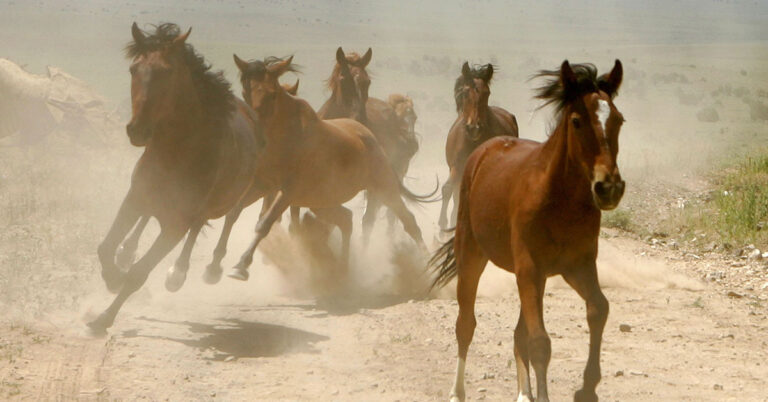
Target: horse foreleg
126	253
213	271
126	218
137	275
585	283
447	192
530	285
522	360
470	263
177	274
281	203
369	217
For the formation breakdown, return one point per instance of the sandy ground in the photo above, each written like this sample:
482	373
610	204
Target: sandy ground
283	335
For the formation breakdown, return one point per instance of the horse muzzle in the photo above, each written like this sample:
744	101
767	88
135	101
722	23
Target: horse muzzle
607	193
137	134
473	131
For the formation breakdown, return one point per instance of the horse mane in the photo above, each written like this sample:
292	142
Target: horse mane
553	93
476	71
353	58
215	92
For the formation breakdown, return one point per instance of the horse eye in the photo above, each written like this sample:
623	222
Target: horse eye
576	122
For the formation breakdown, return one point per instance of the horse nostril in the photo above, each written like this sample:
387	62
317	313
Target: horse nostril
602	188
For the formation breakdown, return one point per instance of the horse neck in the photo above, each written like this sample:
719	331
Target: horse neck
187	126
285	122
565	178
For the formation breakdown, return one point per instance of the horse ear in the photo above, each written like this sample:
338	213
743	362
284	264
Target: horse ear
567	78
181	39
610	83
294	89
341	58
281	67
465	70
366	58
242	65
138	36
488	73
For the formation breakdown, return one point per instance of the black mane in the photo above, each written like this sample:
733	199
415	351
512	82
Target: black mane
214	90
477	71
553	93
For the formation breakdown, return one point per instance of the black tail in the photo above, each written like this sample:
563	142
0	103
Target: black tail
408	194
444	263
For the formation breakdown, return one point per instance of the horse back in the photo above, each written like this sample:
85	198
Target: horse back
506	121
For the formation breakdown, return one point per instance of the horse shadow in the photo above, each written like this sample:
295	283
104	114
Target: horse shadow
240	339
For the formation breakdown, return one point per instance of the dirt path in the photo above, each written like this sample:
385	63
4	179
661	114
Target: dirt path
688	342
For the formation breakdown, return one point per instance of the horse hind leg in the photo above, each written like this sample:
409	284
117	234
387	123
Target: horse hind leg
369	217
126	253
342	218
470	263
126	218
585	283
177	274
447	192
530	284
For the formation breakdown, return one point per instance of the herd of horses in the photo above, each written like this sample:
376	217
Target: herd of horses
531	208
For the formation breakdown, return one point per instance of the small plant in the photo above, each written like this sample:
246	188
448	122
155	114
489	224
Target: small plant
405	339
697	303
618	219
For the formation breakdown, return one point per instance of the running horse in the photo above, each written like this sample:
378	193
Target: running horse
349	83
534	210
200	150
476	123
314	163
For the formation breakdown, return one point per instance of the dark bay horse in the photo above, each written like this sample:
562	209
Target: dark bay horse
349	83
534	210
200	152
476	123
314	163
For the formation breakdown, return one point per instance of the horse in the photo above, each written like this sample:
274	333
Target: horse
476	123
126	253
314	163
200	150
534	210
349	83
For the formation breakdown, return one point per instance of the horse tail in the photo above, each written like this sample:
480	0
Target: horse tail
408	194
444	263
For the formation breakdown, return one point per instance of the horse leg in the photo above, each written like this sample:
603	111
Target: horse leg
137	275
126	218
295	224
342	217
371	210
177	274
213	271
281	203
470	263
531	285
455	210
585	283
126	253
447	191
397	206
522	360
266	202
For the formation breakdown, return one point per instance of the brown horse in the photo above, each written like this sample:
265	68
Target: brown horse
349	83
200	148
476	123
534	210
314	163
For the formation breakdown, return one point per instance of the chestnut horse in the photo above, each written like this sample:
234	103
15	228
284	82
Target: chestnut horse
314	163
534	210
200	149
349	83
476	123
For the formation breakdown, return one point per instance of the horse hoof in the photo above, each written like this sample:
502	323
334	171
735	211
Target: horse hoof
239	274
174	280
98	327
212	274
585	396
124	258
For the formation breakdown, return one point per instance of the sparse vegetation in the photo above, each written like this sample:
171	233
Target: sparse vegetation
619	218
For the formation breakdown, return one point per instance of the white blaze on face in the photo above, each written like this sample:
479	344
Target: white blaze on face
603	111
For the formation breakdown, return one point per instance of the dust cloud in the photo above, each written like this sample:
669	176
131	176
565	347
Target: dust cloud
60	189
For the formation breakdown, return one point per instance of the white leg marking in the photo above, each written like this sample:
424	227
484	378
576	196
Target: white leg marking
457	394
523	398
603	111
523	383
